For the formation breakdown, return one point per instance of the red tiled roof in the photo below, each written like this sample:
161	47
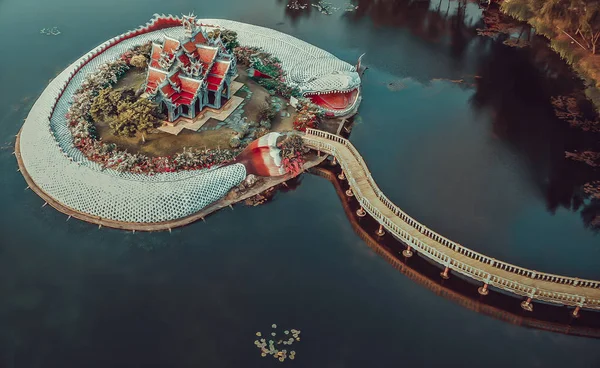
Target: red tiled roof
190	85
170	45
155	77
186	95
175	78
206	55
199	38
214	80
184	59
156	50
219	68
189	47
168	91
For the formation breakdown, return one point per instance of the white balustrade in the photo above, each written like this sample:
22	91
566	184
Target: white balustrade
468	270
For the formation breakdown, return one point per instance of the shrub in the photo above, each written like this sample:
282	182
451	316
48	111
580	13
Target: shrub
267	110
309	115
235	141
133	117
139	61
228	37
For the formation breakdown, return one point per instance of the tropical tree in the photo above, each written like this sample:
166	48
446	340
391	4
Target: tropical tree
589	24
105	104
133	117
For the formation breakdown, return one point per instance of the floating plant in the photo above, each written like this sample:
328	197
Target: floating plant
272	347
295	5
325	7
50	31
351	7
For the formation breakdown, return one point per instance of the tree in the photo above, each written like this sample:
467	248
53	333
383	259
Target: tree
139	61
104	106
138	116
589	24
228	37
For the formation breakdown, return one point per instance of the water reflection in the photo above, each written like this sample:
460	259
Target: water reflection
504	307
512	86
297	9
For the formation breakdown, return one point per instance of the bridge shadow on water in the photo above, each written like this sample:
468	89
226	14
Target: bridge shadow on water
496	304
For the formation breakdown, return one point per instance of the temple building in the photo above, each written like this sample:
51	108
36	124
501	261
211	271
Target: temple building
187	75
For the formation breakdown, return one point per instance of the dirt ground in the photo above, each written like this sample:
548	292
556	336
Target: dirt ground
134	78
164	144
259	95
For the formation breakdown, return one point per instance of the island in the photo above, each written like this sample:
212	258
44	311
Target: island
165	124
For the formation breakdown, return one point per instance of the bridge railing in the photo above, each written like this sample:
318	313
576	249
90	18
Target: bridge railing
436	255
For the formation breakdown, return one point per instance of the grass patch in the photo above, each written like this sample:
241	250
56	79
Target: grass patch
160	144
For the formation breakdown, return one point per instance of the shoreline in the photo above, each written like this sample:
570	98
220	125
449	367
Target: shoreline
267	184
584	64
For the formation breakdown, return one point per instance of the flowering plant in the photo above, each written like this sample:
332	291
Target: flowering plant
292	154
82	128
309	115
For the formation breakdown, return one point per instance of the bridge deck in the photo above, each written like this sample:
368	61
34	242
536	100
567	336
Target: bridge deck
547	287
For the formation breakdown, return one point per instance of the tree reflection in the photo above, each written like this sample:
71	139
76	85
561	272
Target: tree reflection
516	85
513	85
295	14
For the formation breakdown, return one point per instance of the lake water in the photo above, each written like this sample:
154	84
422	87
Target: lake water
479	161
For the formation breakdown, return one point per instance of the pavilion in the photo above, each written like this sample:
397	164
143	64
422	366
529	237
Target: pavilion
187	75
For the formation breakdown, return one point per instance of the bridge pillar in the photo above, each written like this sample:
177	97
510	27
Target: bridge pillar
342	176
407	252
483	290
576	312
380	231
319	153
349	192
526	305
334	161
361	212
445	275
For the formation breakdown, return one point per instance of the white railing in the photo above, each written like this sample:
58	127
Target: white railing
319	140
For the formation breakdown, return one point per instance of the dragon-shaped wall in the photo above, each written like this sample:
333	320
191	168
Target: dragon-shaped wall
62	172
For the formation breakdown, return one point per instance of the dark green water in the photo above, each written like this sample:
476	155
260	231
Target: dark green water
480	163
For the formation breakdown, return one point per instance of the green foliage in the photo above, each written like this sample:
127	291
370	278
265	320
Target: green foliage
133	117
519	9
593	94
565	50
105	104
267	111
543	28
270	67
228	37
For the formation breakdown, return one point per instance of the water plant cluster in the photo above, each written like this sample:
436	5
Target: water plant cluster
275	346
82	128
295	5
53	31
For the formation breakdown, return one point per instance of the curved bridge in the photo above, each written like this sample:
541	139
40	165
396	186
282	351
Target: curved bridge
533	285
